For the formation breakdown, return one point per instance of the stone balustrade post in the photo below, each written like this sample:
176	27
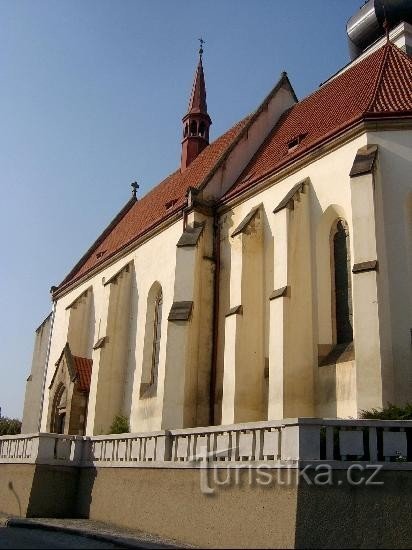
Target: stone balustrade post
164	447
45	448
300	441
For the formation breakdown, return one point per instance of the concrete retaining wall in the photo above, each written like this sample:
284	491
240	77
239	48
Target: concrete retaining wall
240	513
169	502
29	490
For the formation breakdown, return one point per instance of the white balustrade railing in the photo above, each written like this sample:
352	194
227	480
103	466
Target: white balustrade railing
237	443
18	448
287	441
126	448
41	448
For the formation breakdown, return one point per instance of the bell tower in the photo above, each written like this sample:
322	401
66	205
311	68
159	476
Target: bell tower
196	122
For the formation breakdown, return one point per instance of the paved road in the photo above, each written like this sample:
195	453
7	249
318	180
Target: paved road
17	537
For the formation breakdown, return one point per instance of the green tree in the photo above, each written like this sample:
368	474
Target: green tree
120	425
9	426
390	412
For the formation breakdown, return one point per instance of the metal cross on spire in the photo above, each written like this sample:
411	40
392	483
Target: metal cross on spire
135	186
201	46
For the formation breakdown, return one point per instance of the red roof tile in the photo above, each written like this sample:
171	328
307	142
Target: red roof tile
379	85
83	368
161	202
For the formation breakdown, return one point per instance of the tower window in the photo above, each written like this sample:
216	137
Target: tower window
193	128
186	130
202	129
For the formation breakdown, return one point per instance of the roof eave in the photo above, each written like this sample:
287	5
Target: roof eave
130	203
174	216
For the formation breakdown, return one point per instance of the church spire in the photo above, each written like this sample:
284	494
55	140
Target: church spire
196	122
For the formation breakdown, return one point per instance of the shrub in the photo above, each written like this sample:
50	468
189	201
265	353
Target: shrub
390	412
9	426
120	425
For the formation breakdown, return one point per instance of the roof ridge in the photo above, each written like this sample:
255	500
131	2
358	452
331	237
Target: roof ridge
399	51
395	60
249	119
387	50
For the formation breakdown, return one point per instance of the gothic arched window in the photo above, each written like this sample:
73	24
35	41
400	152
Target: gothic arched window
341	284
202	129
157	332
152	340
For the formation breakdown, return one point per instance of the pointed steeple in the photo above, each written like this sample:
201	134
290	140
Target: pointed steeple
196	122
197	102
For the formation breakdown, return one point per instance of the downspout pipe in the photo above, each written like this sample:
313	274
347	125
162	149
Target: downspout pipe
216	299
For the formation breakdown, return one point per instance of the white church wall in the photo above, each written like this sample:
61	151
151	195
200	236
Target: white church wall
393	190
329	185
189	341
153	260
114	355
34	385
81	324
244	360
306	388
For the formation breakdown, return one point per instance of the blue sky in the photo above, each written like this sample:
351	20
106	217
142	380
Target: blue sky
91	98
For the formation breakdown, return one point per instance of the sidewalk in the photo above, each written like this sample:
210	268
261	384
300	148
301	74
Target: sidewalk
123	538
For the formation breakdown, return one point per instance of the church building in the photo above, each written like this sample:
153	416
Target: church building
268	277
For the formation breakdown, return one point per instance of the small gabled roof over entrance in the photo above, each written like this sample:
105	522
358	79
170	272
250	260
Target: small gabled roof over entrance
83	368
79	368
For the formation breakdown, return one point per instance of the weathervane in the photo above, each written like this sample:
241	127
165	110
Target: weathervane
201	46
135	186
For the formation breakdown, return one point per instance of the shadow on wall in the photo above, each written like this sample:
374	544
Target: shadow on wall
53	492
131	360
16	496
28	490
84	497
350	513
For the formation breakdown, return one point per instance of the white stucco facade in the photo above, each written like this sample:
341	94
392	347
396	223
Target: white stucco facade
228	311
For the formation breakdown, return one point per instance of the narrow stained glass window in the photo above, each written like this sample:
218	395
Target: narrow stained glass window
342	285
157	330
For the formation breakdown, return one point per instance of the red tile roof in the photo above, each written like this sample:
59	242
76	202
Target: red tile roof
164	200
83	368
377	86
